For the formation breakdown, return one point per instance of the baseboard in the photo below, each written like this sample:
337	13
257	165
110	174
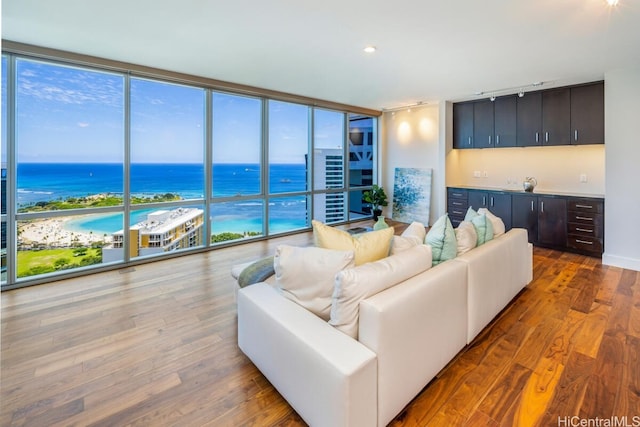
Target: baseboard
620	261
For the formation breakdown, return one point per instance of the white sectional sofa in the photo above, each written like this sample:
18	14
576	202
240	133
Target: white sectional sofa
406	335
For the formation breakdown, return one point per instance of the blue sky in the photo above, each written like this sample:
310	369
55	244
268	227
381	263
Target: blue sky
67	114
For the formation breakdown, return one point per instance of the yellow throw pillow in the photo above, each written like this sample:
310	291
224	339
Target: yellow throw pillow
368	247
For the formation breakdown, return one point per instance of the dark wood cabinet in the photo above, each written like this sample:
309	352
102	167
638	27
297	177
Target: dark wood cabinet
463	125
483	124
505	124
524	214
552	221
587	114
457	205
529	119
556	114
498	203
585	225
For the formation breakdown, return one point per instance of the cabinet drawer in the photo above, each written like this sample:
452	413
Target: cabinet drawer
456	212
456	193
586	218
587	244
586	205
459	204
586	230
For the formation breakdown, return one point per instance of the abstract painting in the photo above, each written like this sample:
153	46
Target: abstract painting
412	195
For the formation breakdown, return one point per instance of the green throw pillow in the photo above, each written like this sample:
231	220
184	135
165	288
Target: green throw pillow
442	238
482	224
259	271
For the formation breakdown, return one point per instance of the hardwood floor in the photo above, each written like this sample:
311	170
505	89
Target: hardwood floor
155	345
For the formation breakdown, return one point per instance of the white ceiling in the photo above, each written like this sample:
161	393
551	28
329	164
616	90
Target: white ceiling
427	50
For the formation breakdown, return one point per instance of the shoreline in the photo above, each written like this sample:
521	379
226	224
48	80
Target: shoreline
52	233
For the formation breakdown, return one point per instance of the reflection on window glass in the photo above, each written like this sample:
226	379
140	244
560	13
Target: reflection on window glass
362	136
358	209
69	149
237	142
288	147
287	214
329	207
3	170
50	245
167	142
236	220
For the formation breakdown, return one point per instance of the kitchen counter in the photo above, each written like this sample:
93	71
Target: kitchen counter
536	191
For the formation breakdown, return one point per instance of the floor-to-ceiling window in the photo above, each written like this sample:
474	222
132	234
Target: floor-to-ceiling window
103	167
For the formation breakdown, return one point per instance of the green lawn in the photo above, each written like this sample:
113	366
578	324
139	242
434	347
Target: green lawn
49	260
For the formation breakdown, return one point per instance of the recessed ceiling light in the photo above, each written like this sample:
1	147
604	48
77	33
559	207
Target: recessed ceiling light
370	49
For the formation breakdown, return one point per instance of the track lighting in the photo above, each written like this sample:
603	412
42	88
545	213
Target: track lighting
493	98
521	93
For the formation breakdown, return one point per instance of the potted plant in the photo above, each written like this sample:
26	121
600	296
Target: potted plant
377	198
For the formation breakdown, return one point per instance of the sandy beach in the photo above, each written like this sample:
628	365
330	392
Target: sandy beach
51	232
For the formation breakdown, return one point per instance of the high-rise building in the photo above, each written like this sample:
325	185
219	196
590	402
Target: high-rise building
162	231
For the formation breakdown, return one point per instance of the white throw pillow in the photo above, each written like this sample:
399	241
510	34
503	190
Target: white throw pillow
307	275
498	224
355	284
466	237
368	247
412	236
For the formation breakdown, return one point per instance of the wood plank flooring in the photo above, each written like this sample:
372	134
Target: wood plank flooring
155	345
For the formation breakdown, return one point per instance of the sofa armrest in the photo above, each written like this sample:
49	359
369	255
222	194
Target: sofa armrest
329	378
415	328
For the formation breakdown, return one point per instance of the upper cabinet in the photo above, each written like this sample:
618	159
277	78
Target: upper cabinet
587	114
556	113
529	119
559	116
505	124
463	125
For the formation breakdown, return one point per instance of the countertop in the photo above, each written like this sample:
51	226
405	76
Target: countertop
535	191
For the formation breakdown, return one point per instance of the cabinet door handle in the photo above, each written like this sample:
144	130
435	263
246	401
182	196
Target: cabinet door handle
532	206
584	230
489	139
491	198
546	137
584	218
497	139
537	137
469	140
484	200
456	203
542	207
575	135
457	194
584	206
584	241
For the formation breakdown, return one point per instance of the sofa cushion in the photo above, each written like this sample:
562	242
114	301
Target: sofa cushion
466	237
442	239
367	247
412	236
496	222
355	284
484	228
257	271
307	275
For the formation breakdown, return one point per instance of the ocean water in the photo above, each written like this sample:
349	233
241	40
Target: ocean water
38	182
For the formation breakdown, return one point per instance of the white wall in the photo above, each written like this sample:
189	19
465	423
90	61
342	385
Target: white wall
411	140
557	169
622	133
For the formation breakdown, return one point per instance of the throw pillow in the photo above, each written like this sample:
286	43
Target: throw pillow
355	284
258	271
412	236
367	247
496	222
442	239
466	237
484	228
307	275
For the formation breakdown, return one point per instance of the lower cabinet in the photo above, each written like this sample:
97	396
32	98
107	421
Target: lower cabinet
561	222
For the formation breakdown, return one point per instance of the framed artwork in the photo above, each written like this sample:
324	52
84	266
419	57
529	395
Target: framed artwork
412	195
